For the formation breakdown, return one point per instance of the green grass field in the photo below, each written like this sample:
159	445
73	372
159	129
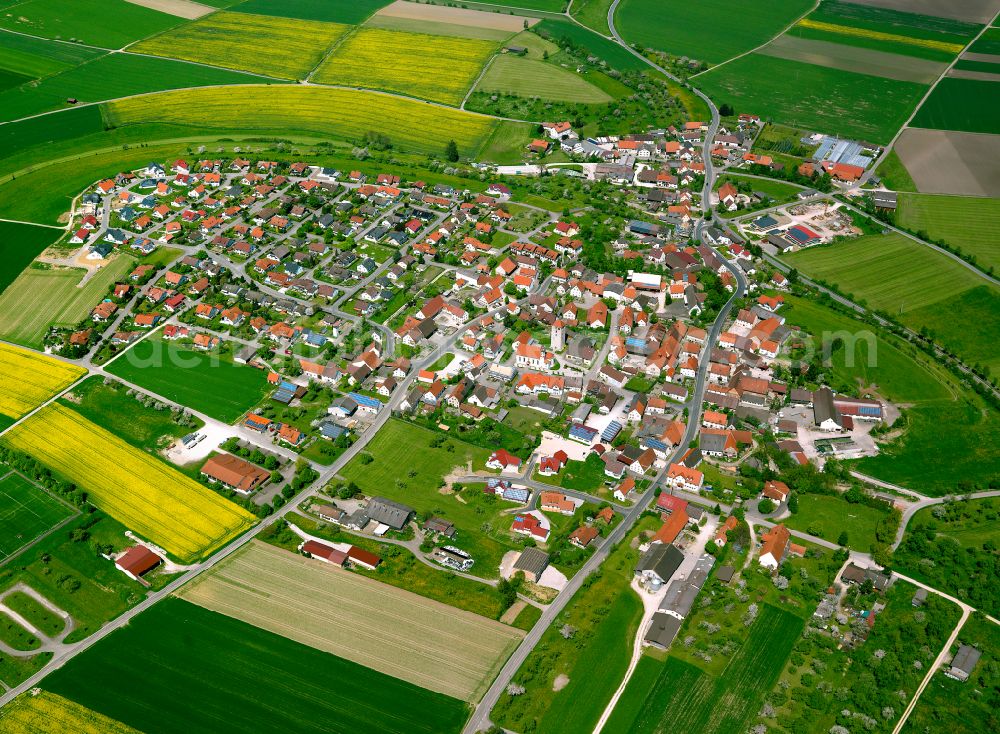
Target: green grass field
107	23
829	515
337	11
531	78
614	55
19	245
605	614
294	47
438	68
26	512
176	646
346	114
970	105
914	284
705	30
963	708
970	523
687	700
36	58
815	97
39	616
961	221
593	14
40	298
110	77
111	408
209	383
894	174
16	137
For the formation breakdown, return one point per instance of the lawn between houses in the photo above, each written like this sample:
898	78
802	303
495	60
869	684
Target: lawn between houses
211	383
826	516
408	464
175	647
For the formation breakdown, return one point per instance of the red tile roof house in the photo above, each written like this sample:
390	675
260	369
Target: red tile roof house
777	491
239	475
550	465
503	460
322	552
531	526
136	561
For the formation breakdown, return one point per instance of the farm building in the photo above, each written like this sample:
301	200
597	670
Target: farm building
532	563
662	630
963	663
137	561
239	475
323	552
364	559
388	512
659	563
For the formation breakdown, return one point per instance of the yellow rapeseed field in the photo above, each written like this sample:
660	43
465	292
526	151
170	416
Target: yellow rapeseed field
845	30
280	47
137	489
47	713
28	379
437	68
346	114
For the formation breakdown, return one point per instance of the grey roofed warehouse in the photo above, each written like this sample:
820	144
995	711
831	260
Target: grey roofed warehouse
388	512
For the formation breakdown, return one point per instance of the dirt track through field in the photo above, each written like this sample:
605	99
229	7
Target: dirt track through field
859	60
947	162
178	8
973	11
456	16
390	630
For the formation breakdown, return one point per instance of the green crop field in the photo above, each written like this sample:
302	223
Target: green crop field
26	512
551	6
337	11
531	78
40	298
19	245
110	77
210	383
686	700
341	113
705	30
969	105
912	283
438	68
294	47
812	96
988	43
826	516
16	137
36	58
434	646
593	14
107	23
965	222
883	29
176	646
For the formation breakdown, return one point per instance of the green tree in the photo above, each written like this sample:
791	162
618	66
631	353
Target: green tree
451	151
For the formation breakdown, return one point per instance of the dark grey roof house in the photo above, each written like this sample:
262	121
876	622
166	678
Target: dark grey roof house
388	512
963	663
659	563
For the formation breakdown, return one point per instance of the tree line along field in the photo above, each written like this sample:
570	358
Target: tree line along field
686	700
44	296
391	630
185	518
47	713
341	113
176	647
969	105
915	285
19	245
109	24
438	68
212	384
109	77
26	512
941	417
705	30
845	103
965	222
30	378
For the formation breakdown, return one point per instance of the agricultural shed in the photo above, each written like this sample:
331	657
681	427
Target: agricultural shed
136	561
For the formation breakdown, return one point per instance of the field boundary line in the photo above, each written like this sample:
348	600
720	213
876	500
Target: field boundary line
482	73
74	513
758	48
53	40
885	151
334	45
